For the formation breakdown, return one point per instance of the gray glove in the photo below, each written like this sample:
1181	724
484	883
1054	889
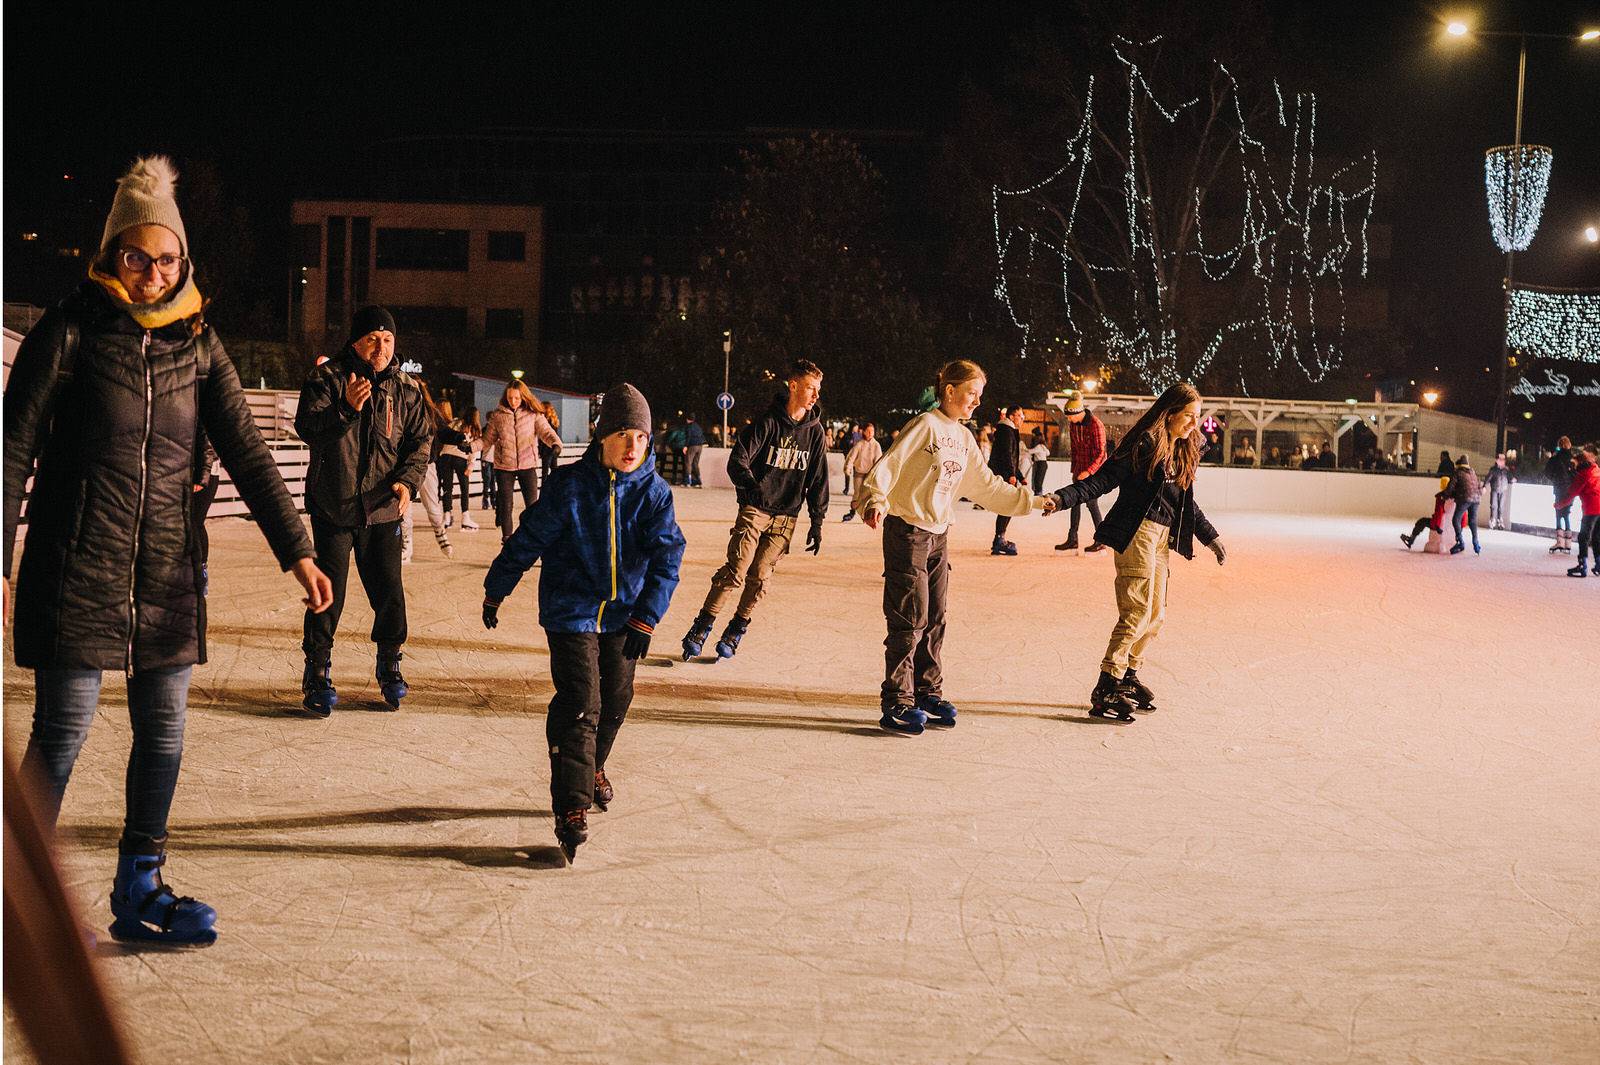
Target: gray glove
1218	550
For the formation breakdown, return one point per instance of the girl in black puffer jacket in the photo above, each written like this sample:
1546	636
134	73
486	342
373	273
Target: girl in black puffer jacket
1155	511
110	393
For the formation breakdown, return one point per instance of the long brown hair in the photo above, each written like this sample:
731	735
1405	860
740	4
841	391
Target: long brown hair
527	397
954	374
436	417
1148	439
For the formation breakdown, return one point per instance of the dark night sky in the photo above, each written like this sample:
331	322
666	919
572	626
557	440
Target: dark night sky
274	94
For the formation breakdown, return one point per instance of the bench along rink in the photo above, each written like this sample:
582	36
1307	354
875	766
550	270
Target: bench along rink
1361	827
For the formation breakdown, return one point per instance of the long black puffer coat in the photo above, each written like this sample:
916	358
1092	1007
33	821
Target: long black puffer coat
110	568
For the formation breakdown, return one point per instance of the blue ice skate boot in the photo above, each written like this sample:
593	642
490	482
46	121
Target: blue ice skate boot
147	911
390	682
696	637
729	644
903	720
316	684
940	712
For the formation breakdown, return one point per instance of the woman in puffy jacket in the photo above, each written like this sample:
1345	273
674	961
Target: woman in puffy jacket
110	393
511	440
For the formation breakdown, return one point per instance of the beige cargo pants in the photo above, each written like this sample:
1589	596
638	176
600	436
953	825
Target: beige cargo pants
1141	598
755	544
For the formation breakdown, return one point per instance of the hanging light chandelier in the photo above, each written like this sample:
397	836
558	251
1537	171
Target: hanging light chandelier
1517	178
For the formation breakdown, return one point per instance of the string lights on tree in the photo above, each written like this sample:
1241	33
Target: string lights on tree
1555	324
1284	248
1517	178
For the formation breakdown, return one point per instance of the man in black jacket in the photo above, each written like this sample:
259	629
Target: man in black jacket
1005	459
368	430
777	463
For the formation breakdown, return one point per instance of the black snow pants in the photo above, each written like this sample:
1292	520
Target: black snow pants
594	687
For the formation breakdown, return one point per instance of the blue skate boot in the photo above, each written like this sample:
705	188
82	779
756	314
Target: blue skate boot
903	720
696	637
729	644
147	911
316	684
390	682
940	712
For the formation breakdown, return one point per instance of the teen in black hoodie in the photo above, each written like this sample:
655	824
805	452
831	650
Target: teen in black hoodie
778	462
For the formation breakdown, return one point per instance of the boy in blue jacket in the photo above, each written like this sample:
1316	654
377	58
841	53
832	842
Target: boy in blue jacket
611	545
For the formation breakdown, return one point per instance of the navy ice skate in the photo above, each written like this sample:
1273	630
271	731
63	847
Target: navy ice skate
729	644
1142	698
696	637
1109	702
940	712
147	911
390	681
572	828
316	684
903	720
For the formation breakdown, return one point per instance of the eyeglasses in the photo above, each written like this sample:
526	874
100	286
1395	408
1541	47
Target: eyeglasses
138	262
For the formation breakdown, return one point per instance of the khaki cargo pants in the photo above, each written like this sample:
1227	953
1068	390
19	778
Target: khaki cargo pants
1141	598
757	541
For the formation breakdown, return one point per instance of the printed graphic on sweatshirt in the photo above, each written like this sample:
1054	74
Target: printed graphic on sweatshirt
787	454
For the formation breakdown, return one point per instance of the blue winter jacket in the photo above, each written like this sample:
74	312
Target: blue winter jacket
610	543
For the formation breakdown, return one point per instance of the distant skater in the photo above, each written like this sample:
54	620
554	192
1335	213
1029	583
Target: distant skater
1585	486
911	494
778	464
1155	512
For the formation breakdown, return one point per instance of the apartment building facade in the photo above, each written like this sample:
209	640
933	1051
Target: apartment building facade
463	280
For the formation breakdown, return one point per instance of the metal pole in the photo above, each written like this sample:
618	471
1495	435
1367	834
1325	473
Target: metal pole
727	354
1500	399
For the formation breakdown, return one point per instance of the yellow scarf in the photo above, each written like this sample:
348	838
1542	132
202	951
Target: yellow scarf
185	303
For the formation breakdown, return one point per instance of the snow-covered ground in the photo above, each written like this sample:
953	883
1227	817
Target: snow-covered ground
1363	826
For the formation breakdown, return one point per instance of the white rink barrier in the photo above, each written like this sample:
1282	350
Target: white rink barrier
1320	492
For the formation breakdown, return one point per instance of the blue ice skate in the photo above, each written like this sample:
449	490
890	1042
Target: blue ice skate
316	684
390	682
903	720
696	637
729	644
147	911
940	712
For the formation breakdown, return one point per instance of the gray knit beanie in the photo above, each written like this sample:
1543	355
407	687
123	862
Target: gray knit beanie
146	195
623	408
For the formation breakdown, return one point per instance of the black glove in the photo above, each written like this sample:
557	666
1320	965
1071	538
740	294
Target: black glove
491	612
814	538
636	642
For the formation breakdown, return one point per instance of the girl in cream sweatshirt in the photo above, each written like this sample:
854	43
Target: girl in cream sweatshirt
911	493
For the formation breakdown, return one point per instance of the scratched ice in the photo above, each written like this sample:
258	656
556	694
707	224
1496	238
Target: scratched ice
1360	827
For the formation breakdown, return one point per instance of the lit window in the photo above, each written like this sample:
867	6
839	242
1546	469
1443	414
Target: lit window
30	236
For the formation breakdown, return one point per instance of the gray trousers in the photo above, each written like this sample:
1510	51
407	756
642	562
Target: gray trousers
916	584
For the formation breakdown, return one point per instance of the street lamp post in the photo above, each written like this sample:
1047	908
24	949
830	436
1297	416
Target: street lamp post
1461	29
727	356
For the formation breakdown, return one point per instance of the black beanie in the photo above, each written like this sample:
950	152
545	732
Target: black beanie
623	408
366	320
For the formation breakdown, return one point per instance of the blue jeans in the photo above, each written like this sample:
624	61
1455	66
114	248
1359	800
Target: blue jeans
1467	513
64	705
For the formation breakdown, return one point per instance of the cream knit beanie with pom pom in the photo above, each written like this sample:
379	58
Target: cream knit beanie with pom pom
146	196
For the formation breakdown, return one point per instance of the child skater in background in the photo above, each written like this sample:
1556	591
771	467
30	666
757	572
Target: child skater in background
912	491
1155	512
605	528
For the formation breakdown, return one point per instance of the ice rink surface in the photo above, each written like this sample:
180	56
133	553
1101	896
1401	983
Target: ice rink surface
1362	827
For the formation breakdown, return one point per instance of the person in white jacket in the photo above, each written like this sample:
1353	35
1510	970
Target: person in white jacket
912	492
863	456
